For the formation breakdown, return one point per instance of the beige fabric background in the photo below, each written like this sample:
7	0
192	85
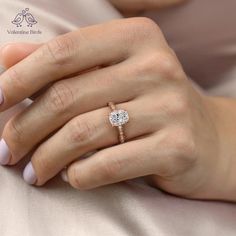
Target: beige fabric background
129	208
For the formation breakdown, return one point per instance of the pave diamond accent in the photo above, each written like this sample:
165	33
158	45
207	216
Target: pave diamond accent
118	117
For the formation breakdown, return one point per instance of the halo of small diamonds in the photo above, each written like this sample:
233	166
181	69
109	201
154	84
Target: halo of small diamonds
118	117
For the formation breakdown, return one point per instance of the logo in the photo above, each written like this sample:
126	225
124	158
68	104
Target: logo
24	17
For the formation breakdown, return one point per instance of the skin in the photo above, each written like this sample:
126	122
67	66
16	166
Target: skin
130	7
180	140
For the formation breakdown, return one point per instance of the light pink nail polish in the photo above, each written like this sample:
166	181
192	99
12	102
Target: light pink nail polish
4	153
64	176
29	174
1	96
2	69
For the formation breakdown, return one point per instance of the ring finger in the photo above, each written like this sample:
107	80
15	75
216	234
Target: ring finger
83	134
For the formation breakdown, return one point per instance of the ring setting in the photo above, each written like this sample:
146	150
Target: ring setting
118	118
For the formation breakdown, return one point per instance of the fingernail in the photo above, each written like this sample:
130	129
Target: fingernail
4	153
29	174
64	176
1	96
2	69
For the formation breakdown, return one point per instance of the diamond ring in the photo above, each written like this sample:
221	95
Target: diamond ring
118	118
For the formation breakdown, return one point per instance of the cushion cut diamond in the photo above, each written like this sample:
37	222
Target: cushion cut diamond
119	117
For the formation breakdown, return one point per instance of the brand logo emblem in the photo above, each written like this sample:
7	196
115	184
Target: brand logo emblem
26	17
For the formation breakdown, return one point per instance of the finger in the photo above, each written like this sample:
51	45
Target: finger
65	100
163	154
63	173
13	53
139	5
115	164
67	54
83	134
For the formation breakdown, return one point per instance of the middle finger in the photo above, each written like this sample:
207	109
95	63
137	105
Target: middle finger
63	101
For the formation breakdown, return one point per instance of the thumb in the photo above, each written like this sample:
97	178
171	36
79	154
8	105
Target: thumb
12	53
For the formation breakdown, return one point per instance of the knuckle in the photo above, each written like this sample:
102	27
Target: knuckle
158	68
60	49
12	132
140	28
143	25
183	145
147	66
15	80
81	131
177	104
59	98
168	67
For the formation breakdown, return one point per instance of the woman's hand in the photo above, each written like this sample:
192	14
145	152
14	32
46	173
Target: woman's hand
135	6
172	137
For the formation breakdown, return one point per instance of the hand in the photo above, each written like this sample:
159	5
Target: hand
172	137
135	6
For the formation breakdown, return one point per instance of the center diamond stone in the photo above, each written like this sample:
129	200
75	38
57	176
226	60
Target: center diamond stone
119	117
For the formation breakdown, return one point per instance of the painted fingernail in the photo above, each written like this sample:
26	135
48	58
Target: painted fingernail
29	174
2	69
64	176
1	96
4	153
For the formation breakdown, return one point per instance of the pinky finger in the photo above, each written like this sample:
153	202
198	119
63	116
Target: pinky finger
64	171
115	164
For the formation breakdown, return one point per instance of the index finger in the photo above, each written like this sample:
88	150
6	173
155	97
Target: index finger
67	54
